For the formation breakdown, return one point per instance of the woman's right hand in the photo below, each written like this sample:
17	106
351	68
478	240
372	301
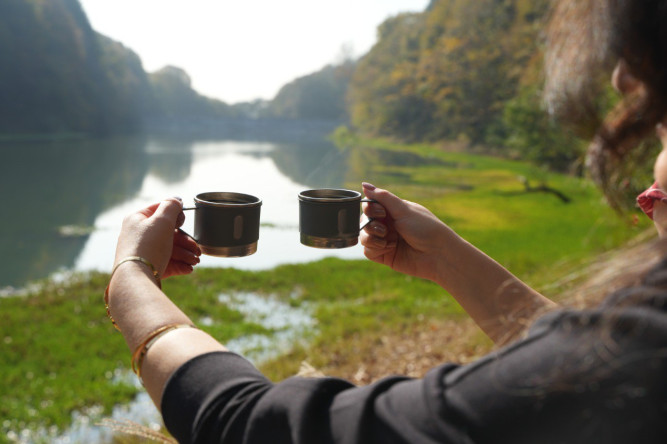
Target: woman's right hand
153	234
403	235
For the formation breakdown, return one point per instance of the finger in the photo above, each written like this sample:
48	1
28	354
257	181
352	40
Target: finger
169	209
180	220
374	210
150	210
180	254
376	228
370	241
395	206
182	239
378	255
176	268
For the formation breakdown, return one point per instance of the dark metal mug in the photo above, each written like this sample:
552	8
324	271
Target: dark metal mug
226	224
329	218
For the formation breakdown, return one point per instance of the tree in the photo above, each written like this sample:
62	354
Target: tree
320	95
446	72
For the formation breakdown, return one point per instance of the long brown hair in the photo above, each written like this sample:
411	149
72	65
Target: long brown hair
585	40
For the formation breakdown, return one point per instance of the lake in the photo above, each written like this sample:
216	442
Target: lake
65	200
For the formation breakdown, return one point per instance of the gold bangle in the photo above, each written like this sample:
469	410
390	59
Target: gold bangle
141	351
106	306
156	275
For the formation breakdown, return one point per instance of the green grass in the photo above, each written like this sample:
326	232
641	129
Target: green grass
59	353
484	200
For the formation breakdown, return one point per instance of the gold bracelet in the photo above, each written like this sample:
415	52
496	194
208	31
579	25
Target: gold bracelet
156	275
141	351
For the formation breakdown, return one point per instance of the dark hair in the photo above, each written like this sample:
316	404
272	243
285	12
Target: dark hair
585	40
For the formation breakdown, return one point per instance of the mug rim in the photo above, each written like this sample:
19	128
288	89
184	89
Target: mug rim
232	199
329	195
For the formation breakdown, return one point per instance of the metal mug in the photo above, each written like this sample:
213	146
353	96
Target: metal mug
226	224
329	218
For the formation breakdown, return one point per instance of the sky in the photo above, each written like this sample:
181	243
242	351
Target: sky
243	50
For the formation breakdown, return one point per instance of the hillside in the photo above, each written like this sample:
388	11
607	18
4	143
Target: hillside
320	95
60	76
446	73
52	78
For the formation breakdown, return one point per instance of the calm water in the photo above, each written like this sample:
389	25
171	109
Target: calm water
64	201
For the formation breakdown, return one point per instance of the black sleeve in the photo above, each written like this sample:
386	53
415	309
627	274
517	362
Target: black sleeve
578	378
221	397
596	376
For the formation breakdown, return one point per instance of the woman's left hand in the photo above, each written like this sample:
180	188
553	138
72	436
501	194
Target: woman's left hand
153	234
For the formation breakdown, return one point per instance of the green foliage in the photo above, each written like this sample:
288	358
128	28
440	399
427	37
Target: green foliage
472	72
535	136
320	95
445	73
48	81
343	137
384	95
61	77
130	96
175	98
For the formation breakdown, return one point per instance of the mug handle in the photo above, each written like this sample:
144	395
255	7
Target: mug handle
182	231
369	218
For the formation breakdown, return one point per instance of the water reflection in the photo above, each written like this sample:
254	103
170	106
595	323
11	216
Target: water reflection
65	201
314	164
50	187
170	158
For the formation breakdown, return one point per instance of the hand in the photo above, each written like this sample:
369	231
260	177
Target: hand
403	235
152	234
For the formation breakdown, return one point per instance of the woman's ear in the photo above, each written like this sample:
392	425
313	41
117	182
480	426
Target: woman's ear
622	80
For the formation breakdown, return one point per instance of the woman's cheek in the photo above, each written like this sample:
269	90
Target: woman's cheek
660	218
660	169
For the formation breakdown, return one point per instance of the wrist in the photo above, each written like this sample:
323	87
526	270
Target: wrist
448	251
129	269
132	269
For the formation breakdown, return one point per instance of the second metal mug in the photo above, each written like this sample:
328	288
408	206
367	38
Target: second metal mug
329	218
226	224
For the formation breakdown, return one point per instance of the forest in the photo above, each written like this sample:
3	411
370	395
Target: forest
460	71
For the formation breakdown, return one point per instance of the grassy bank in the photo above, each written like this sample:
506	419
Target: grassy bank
60	354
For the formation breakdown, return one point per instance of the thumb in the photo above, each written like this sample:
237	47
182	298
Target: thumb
169	209
395	206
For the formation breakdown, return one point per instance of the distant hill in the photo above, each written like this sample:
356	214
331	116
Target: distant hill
447	73
320	95
59	76
174	96
460	70
52	77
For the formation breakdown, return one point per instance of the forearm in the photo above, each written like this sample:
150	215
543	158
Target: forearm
139	308
500	303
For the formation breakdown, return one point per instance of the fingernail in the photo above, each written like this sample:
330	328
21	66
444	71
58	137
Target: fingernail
368	186
377	212
380	229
